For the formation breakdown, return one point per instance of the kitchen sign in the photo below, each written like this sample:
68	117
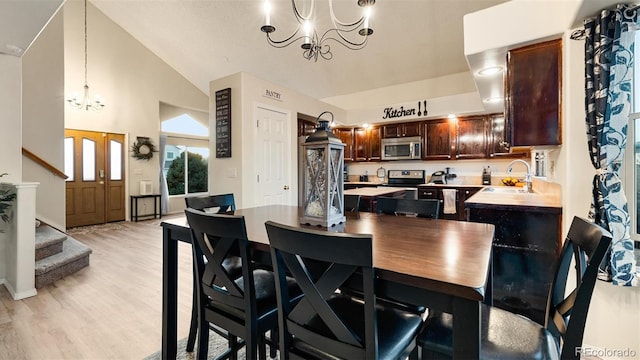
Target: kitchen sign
404	111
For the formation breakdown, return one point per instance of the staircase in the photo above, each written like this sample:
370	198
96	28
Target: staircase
57	255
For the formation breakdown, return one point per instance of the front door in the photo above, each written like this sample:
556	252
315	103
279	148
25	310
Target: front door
273	152
95	189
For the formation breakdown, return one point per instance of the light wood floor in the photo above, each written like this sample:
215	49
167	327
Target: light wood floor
110	310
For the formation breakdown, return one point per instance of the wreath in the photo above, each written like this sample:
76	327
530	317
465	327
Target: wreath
143	149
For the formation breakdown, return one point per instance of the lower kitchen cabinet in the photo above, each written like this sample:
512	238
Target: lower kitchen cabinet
525	249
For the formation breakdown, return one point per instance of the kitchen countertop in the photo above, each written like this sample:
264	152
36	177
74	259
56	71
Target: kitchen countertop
373	191
504	200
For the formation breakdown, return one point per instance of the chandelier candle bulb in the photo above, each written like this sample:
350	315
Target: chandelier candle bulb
267	13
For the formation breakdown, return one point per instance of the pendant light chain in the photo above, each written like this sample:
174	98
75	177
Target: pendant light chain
85	42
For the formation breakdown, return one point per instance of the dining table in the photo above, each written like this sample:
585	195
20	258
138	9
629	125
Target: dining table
445	265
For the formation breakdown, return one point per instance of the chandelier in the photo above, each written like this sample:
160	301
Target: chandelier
314	45
85	101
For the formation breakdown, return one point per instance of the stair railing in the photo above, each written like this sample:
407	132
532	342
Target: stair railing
44	163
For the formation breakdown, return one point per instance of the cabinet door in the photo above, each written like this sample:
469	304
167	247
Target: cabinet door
428	193
412	129
466	193
438	135
533	94
498	142
346	136
392	130
306	127
402	129
375	147
471	139
361	144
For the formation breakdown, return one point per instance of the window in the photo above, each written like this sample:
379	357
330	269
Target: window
186	156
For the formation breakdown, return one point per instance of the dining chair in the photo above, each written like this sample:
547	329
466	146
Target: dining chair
425	208
221	203
246	306
327	324
505	335
352	204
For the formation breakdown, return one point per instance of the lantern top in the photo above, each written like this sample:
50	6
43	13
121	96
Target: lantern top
322	132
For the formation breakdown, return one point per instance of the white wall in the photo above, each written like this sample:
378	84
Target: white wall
10	117
132	80
43	119
247	92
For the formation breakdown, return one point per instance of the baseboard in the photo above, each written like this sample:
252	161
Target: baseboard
15	295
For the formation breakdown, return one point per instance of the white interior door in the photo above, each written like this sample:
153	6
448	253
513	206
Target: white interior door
273	156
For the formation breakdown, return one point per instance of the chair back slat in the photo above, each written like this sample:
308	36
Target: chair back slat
426	208
295	251
585	246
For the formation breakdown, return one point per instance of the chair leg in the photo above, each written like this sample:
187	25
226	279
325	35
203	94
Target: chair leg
203	341
273	346
193	328
251	345
262	348
233	344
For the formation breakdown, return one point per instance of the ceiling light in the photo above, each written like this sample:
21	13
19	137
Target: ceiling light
491	70
314	45
85	101
494	99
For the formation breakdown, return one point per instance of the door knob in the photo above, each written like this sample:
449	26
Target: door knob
286	187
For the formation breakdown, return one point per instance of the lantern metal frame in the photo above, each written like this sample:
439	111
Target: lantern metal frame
323	184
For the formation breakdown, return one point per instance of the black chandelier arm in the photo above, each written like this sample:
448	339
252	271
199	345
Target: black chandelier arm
301	19
286	42
343	40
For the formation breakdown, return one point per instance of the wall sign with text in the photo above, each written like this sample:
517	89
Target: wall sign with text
405	110
223	123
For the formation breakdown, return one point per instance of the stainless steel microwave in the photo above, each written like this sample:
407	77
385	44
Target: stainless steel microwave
406	148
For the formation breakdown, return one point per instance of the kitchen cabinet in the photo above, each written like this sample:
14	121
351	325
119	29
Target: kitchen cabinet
525	249
462	194
471	138
346	135
438	139
402	129
498	146
367	145
306	127
533	88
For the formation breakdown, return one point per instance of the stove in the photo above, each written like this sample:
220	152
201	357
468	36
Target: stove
405	178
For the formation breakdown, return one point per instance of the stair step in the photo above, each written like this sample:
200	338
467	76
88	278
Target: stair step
74	256
48	241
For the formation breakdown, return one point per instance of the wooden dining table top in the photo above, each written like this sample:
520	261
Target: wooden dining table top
446	256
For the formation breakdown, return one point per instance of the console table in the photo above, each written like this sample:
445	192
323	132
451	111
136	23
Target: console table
157	206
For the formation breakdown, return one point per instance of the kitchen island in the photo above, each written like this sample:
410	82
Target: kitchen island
526	245
369	195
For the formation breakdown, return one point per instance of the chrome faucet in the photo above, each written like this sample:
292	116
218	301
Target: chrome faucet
527	178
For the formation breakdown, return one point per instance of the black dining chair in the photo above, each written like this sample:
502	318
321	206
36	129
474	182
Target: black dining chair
327	324
425	208
352	204
245	306
218	203
505	335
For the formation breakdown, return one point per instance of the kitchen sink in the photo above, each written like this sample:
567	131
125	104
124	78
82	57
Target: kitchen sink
505	190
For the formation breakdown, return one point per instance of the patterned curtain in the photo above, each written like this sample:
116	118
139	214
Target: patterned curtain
609	73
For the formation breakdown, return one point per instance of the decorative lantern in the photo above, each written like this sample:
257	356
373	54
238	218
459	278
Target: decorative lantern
323	177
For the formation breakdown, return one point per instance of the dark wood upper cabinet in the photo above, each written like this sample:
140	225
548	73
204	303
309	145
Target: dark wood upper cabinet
498	142
346	135
306	127
471	138
533	88
402	130
438	139
367	144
